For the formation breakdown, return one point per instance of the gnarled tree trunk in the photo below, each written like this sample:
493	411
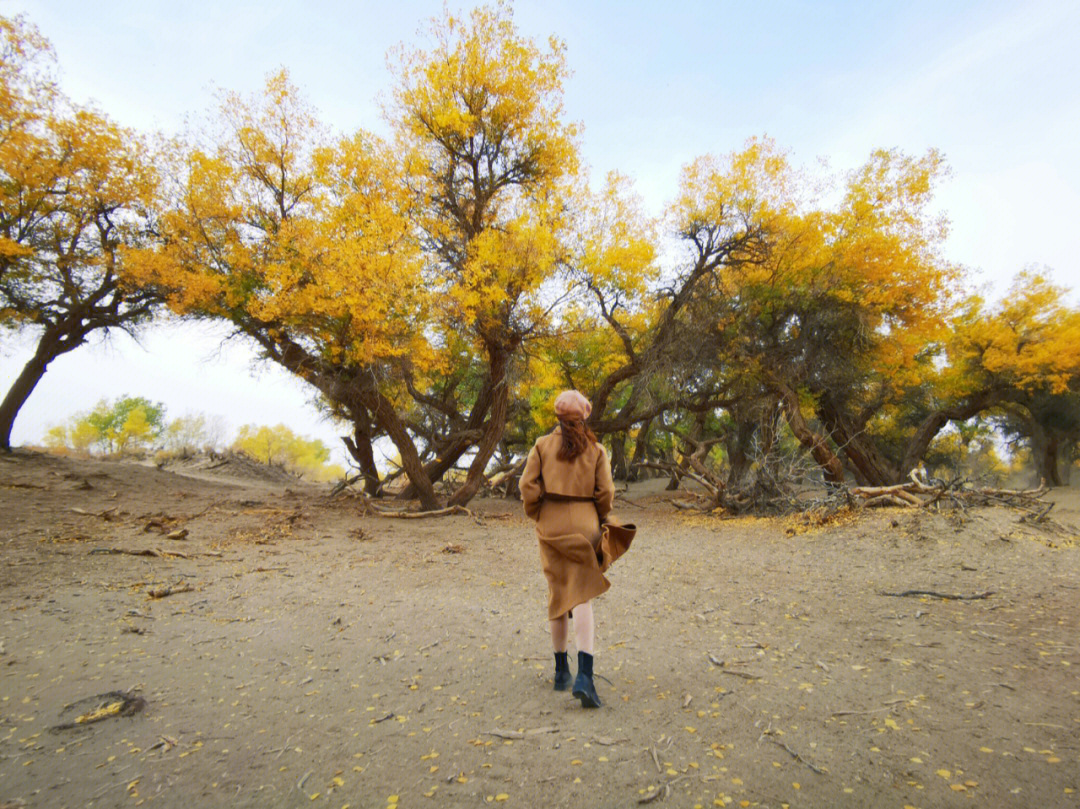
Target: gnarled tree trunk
871	467
52	344
360	448
493	431
817	445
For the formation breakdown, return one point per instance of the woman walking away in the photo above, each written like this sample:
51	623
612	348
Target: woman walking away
567	489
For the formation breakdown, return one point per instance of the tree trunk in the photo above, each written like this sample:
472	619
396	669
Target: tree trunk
48	348
388	420
448	455
871	467
359	447
355	392
641	444
1051	467
619	469
818	446
1068	461
493	432
1044	453
737	443
936	421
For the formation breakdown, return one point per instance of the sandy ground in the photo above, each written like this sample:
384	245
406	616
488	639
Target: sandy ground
325	658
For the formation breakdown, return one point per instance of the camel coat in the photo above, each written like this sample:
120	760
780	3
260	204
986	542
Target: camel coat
570	502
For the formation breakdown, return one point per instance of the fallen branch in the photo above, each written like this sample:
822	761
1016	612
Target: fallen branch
742	674
143	552
936	594
518	734
419	515
157	553
106	515
607	741
684	505
887	707
172	589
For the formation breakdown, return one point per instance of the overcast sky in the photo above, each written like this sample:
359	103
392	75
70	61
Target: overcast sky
993	85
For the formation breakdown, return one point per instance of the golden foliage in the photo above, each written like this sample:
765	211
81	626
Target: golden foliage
1030	340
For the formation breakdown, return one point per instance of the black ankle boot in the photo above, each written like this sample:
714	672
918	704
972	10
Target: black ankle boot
562	671
583	685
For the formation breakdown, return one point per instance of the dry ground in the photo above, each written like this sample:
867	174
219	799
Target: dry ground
324	658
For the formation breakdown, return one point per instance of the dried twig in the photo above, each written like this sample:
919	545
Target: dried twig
723	666
887	707
767	737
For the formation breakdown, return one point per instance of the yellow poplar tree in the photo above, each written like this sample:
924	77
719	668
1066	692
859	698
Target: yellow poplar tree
302	243
76	193
479	123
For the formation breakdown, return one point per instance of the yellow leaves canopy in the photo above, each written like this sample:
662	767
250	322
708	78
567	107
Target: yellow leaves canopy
1030	340
293	236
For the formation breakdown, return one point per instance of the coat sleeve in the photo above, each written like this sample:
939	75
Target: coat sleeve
532	485
604	493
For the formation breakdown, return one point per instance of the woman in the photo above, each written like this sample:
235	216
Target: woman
567	489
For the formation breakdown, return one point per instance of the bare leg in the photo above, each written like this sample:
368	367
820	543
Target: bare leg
559	631
584	631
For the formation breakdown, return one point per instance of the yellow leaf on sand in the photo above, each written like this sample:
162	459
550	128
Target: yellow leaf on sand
944	773
958	787
502	796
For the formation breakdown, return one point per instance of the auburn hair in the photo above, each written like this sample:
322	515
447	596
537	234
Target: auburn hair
576	436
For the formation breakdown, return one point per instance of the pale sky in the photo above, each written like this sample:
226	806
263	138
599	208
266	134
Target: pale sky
993	85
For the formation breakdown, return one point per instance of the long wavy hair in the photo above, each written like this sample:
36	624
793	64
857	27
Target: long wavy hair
576	436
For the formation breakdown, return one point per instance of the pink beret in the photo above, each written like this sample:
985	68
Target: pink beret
572	405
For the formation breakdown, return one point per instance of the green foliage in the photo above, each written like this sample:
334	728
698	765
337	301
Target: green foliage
129	425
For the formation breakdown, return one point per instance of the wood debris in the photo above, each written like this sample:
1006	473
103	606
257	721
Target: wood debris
171	589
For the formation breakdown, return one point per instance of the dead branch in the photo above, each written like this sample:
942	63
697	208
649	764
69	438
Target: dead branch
519	734
172	589
887	707
936	594
419	515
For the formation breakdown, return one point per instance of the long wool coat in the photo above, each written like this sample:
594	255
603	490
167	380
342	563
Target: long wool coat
571	504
